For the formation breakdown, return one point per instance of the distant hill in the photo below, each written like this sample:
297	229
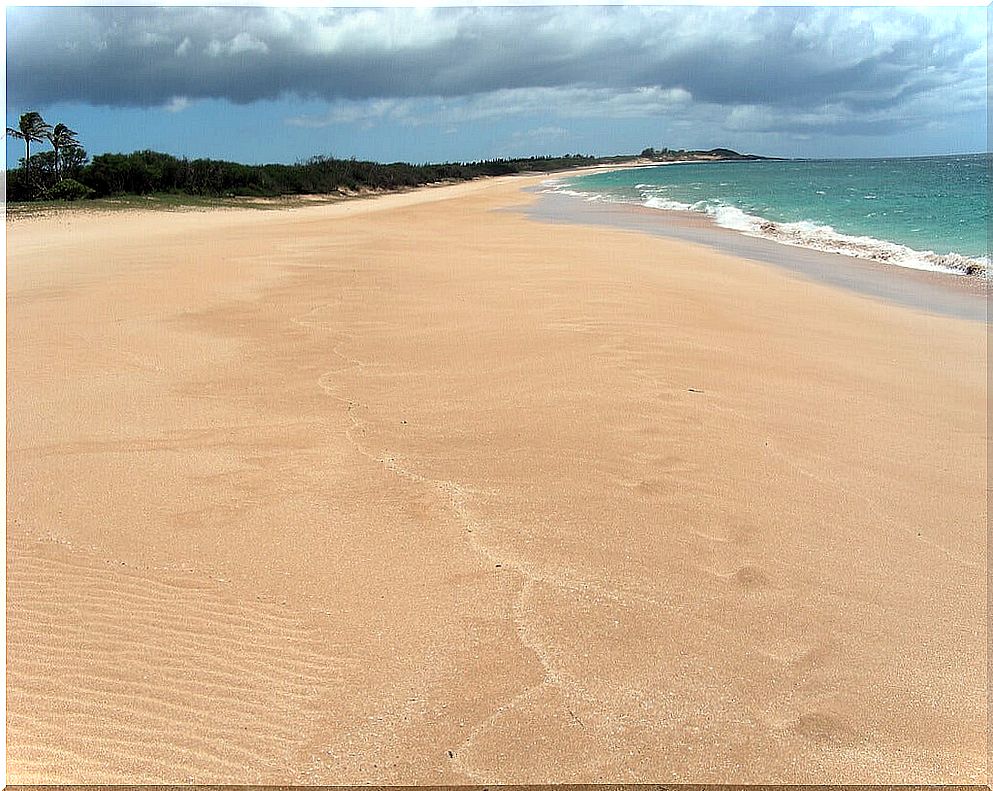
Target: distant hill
711	155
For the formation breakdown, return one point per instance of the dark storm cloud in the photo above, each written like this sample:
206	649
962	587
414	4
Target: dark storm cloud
851	60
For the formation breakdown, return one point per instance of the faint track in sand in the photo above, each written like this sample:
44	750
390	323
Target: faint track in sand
457	498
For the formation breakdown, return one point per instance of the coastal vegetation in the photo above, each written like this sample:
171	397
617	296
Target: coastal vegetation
152	172
66	172
48	174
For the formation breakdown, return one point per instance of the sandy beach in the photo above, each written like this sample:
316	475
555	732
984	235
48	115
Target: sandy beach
423	489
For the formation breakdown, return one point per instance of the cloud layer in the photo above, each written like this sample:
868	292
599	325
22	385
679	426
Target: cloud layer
855	71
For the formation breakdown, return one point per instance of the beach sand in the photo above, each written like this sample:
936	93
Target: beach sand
421	490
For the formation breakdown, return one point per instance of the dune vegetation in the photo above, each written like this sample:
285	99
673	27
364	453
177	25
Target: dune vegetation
66	172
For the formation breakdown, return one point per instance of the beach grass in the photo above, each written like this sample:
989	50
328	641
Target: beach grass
165	202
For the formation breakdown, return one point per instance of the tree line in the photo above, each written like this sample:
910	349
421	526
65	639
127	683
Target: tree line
66	172
53	170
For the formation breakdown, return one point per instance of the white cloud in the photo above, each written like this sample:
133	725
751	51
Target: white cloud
750	69
644	102
245	42
543	133
177	104
238	45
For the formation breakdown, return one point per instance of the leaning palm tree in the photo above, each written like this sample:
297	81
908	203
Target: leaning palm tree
61	137
30	128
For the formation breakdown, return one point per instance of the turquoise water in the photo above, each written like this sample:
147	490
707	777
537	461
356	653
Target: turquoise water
927	212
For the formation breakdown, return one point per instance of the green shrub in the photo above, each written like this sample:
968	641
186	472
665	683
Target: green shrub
69	189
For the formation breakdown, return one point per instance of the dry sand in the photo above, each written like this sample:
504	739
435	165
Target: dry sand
412	490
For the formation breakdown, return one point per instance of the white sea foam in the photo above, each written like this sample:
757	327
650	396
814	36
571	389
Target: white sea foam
827	239
665	203
806	234
563	190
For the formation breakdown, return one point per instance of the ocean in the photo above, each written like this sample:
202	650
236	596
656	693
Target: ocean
921	212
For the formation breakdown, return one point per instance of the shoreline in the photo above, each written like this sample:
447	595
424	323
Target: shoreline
814	235
943	293
419	490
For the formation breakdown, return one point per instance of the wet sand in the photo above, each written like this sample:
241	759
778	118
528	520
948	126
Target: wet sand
943	293
421	490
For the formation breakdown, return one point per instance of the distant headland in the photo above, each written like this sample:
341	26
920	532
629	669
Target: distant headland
710	155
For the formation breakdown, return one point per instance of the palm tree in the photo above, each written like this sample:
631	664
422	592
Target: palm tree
31	127
61	137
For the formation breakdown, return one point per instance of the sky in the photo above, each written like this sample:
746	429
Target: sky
257	84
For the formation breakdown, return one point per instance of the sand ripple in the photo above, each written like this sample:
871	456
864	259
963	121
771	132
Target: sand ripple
139	676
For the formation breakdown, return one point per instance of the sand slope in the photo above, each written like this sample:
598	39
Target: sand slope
416	490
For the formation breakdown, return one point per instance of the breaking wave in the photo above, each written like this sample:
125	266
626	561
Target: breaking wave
823	237
806	234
